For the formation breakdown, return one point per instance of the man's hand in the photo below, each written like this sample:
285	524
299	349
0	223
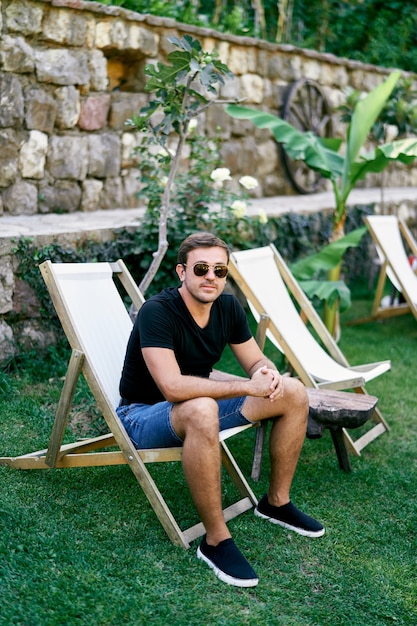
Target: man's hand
267	383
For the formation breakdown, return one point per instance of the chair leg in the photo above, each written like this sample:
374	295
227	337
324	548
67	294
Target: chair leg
258	452
341	449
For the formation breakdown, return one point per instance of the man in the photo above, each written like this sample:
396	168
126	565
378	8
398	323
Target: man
168	398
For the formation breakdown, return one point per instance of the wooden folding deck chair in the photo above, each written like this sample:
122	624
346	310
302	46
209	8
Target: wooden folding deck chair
391	236
97	325
267	282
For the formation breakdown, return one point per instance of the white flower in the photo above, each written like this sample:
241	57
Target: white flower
263	218
248	182
192	125
164	181
220	174
239	208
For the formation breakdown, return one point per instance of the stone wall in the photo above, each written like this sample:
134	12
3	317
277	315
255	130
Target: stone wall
72	72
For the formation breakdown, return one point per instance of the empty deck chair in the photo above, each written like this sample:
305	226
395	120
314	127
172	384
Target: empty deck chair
267	283
391	236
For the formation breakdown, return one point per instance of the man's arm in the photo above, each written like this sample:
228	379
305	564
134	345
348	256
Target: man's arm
252	359
176	387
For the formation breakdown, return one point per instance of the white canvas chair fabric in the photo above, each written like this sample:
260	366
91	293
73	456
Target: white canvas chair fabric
267	283
97	325
390	234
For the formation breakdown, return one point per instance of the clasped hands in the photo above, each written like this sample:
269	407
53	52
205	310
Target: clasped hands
267	382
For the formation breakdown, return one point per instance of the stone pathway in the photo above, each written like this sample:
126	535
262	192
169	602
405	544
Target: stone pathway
12	226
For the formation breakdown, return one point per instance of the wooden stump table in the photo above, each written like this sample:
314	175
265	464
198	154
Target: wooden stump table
334	410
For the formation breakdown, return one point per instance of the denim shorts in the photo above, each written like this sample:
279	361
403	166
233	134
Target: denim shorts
149	425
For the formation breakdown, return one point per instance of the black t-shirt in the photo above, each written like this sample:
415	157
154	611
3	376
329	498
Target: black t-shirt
164	321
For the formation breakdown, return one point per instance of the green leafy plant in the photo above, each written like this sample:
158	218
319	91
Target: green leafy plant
309	271
202	198
344	170
397	119
182	90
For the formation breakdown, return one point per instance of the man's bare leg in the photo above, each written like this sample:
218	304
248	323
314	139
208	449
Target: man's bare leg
198	423
286	440
287	434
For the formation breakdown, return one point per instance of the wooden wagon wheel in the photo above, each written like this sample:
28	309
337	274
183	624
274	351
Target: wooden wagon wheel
305	107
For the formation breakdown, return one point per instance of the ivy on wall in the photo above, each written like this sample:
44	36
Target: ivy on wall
293	234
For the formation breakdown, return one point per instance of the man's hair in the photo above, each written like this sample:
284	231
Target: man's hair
200	240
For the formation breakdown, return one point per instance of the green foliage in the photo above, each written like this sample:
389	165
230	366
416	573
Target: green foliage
176	98
399	111
311	270
344	171
201	199
182	89
382	33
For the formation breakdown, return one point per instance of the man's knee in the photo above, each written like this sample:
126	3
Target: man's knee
297	396
198	415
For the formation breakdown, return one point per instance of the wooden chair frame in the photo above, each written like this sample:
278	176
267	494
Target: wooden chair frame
93	451
389	234
351	377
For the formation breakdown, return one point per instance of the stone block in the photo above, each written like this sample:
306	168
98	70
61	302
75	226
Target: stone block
230	90
241	156
21	198
65	27
238	60
41	110
62	197
111	34
285	67
130	141
68	106
11	101
33	155
142	39
104	155
218	122
91	190
7	344
94	112
312	69
26	304
16	55
131	187
9	154
97	63
6	284
112	194
68	157
62	67
267	157
124	106
32	335
23	17
252	88
103	34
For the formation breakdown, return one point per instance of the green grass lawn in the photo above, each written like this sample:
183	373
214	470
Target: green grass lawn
83	547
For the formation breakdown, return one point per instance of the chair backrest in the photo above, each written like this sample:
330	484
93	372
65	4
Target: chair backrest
267	293
386	233
94	317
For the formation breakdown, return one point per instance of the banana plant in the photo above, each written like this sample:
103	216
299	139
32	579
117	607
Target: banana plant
343	168
309	269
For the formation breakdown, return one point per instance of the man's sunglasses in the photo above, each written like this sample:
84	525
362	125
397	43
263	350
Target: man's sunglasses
201	269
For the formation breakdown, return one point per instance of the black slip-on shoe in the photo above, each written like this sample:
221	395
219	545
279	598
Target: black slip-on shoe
228	563
289	517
